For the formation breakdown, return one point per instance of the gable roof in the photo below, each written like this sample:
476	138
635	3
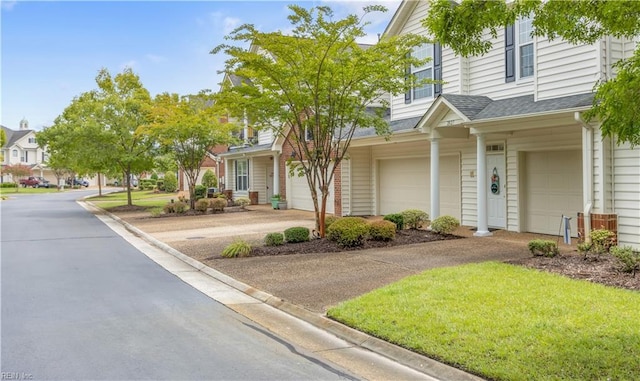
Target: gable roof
13	136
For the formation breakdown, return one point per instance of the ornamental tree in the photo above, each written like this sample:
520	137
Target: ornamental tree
617	100
17	171
315	87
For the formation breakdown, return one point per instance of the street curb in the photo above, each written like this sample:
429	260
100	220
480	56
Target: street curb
398	354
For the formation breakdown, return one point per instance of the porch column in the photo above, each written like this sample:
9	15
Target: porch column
276	173
435	178
482	224
226	173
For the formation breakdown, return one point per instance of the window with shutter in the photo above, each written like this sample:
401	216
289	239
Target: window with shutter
509	54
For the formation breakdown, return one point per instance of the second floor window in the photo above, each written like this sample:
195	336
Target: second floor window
431	70
15	153
32	140
525	47
242	175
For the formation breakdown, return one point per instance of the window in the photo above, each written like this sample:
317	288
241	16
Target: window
308	134
15	153
32	140
518	38
430	70
25	157
242	175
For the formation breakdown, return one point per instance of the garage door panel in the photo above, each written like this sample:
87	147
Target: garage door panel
553	189
300	196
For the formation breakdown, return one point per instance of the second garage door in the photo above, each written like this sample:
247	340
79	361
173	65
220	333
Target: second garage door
553	189
299	194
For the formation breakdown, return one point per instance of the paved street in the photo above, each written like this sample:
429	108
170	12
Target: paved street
79	302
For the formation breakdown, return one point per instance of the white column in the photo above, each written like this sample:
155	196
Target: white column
245	122
435	178
226	174
276	173
483	229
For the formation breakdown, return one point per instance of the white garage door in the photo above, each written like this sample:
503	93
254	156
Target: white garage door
404	184
299	194
553	188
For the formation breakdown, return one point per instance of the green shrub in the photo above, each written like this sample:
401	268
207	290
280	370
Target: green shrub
218	204
170	182
628	258
329	220
274	239
209	179
160	185
584	247
200	191
602	240
170	207
414	218
8	185
238	248
348	231
155	212
154	176
181	207
445	224
541	247
382	230
202	205
296	234
397	219
242	202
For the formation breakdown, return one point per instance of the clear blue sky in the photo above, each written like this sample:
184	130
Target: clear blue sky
52	50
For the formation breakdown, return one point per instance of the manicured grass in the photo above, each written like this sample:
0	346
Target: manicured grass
147	199
506	322
29	190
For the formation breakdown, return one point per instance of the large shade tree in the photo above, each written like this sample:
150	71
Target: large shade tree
617	100
315	87
186	127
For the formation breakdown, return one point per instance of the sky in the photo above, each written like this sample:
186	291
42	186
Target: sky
51	51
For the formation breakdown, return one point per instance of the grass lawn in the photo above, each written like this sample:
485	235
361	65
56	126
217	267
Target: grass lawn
506	322
139	198
28	190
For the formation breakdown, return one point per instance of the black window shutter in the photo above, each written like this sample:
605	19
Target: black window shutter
407	80
437	68
509	54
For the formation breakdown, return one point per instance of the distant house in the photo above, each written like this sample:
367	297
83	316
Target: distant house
21	148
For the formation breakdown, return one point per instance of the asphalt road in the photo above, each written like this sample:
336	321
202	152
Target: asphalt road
79	302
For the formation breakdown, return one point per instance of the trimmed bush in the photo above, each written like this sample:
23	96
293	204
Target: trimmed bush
160	185
602	240
328	221
181	207
200	191
202	205
348	231
274	239
382	230
209	179
414	218
155	212
396	218
242	202
238	248
170	208
296	234
445	224
541	247
218	204
170	182
8	185
629	259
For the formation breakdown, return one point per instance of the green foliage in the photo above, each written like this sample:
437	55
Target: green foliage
170	182
200	192
146	184
445	224
329	220
341	80
180	207
170	207
382	230
628	258
160	185
602	240
209	179
348	231
296	234
202	205
238	248
274	239
242	202
541	247
155	212
397	219
584	247
154	176
414	218
218	204
9	185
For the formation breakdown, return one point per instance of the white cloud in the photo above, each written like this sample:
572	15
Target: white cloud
155	58
230	23
7	5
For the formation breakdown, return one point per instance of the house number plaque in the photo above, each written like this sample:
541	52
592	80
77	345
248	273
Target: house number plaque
495	182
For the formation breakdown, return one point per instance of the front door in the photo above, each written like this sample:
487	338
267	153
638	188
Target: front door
269	177
497	193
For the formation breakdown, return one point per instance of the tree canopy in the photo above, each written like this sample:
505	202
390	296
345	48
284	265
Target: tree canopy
315	87
617	100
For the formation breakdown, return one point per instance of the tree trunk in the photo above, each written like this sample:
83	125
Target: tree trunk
128	182
99	185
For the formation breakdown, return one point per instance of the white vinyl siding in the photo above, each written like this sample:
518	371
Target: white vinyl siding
627	194
258	168
265	136
361	200
345	182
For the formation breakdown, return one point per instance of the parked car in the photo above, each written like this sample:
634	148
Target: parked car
30	182
43	183
78	182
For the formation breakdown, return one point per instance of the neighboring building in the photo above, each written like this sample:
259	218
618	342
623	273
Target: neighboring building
501	144
21	148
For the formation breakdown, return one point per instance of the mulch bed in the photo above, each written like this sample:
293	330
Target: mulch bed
323	245
602	269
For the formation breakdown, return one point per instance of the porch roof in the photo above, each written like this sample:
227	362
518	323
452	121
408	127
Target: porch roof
259	148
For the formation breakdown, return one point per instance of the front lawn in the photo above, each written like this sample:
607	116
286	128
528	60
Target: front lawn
506	322
147	199
28	190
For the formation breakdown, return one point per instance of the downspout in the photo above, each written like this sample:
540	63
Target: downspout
587	173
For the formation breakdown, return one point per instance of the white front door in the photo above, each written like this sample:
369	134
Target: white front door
497	192
269	177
